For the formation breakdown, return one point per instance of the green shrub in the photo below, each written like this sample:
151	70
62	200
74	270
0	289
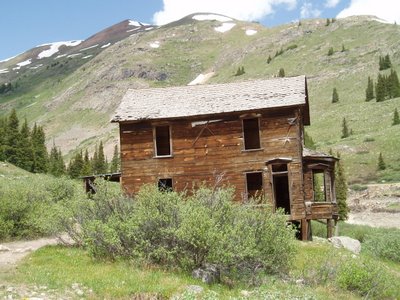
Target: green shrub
173	229
367	278
384	244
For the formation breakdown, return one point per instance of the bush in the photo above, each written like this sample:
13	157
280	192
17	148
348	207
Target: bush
173	229
367	278
384	244
29	205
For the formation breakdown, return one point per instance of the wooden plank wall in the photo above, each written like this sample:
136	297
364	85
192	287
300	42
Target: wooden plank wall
219	149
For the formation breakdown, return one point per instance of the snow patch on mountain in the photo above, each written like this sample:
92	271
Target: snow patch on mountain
73	55
155	44
202	78
59	56
211	17
54	48
135	23
3	71
24	63
251	32
381	21
87	56
84	49
36	67
225	27
105	46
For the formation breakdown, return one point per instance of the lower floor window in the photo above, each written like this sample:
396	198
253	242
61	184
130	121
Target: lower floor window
165	184
254	184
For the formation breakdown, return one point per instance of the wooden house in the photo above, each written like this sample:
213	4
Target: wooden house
251	132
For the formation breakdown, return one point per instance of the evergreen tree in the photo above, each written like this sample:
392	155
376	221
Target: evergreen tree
87	165
369	92
330	51
328	22
240	71
381	163
100	164
384	62
341	190
345	129
396	119
115	162
76	165
12	137
25	149
393	85
39	149
335	96
3	130
269	59
56	162
281	72
343	48
380	88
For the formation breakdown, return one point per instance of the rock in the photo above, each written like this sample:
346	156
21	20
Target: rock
196	289
10	289
79	292
245	293
4	248
208	274
347	243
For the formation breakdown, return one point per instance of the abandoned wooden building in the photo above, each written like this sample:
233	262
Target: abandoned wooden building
251	132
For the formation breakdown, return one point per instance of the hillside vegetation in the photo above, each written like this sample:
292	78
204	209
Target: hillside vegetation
75	107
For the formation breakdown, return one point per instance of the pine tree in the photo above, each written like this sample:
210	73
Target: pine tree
381	163
380	89
330	51
396	119
328	22
12	138
240	71
25	149
281	72
345	129
3	126
387	62
341	190
343	48
76	165
335	96
393	85
369	92
100	164
269	59
56	162
87	165
115	162
39	149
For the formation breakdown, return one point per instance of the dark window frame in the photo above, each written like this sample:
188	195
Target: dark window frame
247	183
156	149
165	186
247	137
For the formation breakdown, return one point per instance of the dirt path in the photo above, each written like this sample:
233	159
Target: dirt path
11	253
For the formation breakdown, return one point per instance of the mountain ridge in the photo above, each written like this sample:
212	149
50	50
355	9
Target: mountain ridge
75	101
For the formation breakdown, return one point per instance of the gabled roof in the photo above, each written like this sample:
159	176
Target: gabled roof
199	100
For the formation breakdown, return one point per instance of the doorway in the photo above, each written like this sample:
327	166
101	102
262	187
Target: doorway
280	179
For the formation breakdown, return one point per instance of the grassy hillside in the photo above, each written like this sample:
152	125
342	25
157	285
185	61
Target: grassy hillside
76	108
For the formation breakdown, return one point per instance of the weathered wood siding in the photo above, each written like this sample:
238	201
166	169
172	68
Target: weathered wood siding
198	158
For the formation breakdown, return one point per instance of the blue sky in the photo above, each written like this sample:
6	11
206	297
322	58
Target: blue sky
27	23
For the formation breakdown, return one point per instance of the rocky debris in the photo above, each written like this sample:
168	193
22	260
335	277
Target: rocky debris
346	242
208	274
195	289
4	248
23	250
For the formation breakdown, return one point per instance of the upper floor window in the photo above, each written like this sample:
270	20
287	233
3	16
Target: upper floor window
162	140
251	133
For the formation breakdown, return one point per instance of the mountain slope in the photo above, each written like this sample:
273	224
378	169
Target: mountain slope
75	105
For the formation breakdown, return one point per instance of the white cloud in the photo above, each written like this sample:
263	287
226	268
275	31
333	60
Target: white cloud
249	10
308	11
384	9
331	3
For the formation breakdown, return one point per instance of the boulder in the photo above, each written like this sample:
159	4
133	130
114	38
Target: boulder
346	242
208	274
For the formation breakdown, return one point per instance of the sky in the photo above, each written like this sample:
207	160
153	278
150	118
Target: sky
25	24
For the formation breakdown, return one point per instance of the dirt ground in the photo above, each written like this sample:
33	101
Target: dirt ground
377	205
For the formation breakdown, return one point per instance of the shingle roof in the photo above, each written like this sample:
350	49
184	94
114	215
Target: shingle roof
185	101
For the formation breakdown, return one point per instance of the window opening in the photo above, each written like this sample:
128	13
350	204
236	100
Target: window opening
162	140
319	186
280	179
251	134
165	184
254	184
